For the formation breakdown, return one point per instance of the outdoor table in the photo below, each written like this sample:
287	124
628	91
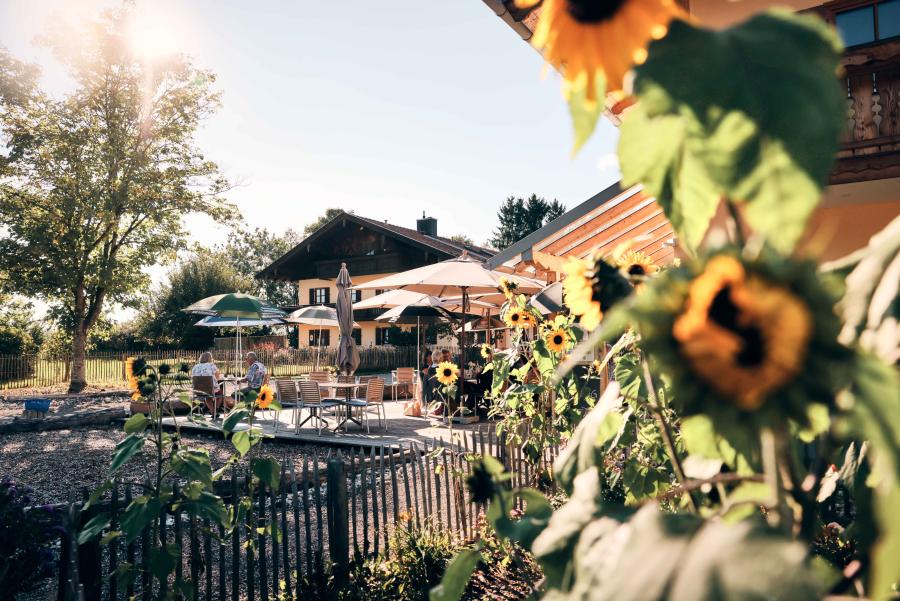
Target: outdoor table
347	388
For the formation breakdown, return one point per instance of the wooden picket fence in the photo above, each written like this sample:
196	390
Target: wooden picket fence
327	518
107	367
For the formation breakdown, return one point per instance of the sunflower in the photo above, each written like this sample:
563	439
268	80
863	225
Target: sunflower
518	318
757	337
557	340
591	287
637	265
593	42
265	397
129	368
447	373
486	351
508	288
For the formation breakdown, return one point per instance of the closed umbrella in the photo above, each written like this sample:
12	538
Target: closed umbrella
348	354
461	276
236	305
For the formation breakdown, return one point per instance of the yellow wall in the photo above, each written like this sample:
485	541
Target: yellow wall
722	13
304	286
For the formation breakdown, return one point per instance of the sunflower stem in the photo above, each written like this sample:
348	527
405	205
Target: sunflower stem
738	223
772	453
666	434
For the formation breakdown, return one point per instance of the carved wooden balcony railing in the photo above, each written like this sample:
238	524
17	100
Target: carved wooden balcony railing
870	145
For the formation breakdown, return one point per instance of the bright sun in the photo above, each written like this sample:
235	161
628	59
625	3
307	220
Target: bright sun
152	37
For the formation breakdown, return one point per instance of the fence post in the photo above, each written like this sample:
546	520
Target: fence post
338	524
89	561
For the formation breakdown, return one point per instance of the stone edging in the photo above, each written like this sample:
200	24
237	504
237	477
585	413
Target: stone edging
100	417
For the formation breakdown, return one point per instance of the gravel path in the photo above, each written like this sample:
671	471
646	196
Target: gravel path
12	406
58	464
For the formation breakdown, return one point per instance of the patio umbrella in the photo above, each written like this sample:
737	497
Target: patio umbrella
461	276
233	322
316	315
348	354
417	314
239	306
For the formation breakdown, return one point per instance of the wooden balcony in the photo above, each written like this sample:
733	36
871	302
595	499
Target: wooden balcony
870	145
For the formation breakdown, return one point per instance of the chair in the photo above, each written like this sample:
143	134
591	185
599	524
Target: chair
405	379
203	388
373	399
312	401
286	392
323	376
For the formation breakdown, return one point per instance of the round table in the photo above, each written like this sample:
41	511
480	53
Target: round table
347	387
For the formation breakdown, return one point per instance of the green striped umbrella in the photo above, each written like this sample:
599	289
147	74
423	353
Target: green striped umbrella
234	304
239	306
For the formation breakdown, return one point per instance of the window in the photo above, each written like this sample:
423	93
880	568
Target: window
382	336
319	296
355	296
878	20
357	336
319	338
378	291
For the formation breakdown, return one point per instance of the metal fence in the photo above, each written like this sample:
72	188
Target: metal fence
107	367
327	518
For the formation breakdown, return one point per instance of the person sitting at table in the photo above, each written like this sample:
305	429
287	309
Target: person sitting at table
207	367
256	374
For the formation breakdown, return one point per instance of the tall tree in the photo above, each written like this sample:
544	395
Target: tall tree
330	213
249	251
519	217
94	185
161	323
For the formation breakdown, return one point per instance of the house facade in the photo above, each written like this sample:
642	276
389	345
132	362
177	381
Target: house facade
371	249
863	194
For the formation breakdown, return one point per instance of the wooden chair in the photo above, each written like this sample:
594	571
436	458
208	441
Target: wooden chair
323	376
203	389
286	393
312	401
373	399
405	379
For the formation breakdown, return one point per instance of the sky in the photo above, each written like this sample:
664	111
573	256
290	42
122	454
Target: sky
387	109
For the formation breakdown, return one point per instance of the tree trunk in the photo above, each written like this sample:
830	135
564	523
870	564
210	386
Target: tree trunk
79	376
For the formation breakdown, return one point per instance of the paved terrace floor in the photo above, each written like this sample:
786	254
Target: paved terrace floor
400	429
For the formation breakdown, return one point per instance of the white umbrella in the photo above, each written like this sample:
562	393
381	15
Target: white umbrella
316	315
462	276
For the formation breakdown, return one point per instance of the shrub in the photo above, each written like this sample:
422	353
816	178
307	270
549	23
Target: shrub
26	535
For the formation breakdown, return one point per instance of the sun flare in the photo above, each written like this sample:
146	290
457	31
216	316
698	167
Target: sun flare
151	36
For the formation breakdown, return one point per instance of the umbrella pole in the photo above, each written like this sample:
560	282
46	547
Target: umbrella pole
462	341
237	358
418	348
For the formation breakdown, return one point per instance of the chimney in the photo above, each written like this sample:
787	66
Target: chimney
426	225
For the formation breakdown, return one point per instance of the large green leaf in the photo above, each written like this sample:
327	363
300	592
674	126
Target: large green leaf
268	471
751	113
459	570
587	445
94	527
127	448
584	114
658	556
193	464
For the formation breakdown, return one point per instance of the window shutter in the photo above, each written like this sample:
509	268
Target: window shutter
327	295
312	296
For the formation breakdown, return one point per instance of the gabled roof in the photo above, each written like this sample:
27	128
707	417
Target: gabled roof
566	219
442	248
445	245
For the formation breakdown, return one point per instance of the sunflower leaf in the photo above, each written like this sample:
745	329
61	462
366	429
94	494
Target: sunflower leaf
704	127
584	114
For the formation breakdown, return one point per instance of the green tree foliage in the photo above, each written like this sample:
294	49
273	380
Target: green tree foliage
162	323
519	217
94	185
330	213
249	251
462	239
